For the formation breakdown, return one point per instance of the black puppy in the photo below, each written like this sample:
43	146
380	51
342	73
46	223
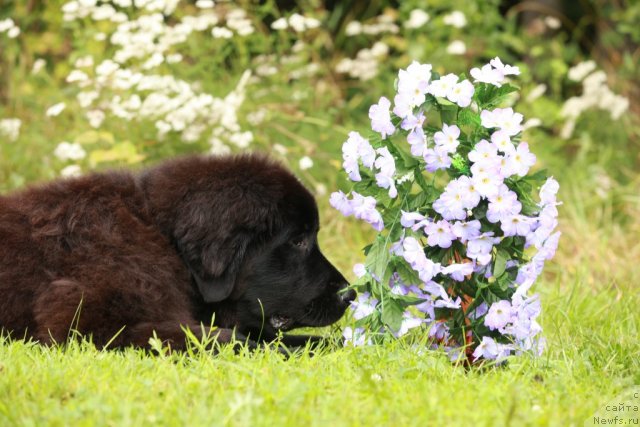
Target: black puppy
122	255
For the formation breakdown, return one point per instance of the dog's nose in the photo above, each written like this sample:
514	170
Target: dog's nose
348	296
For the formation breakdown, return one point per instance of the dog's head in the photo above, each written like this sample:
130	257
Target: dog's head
247	230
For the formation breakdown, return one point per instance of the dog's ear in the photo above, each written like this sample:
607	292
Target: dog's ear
215	270
214	243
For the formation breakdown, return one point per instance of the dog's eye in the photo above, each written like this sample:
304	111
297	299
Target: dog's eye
299	242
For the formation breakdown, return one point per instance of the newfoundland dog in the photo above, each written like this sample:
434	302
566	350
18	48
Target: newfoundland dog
193	242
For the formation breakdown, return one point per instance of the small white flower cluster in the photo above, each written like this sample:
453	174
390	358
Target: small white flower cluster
382	24
455	19
297	22
595	94
417	18
10	128
69	151
102	10
127	85
7	25
365	64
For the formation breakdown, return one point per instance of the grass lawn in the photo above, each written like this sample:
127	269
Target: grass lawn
592	355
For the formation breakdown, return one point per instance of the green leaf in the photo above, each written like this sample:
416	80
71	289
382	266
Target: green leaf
488	96
378	257
124	151
500	263
448	113
392	313
467	117
407	274
417	174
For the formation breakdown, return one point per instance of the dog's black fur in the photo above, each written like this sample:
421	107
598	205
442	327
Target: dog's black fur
195	238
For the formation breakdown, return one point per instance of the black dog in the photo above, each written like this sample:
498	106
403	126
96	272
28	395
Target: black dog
122	255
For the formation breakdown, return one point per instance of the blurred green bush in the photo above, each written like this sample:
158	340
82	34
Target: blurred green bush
142	80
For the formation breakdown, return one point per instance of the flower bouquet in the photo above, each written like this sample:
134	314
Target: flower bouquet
462	236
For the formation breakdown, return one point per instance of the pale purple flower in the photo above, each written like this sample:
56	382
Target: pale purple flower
491	166
450	204
385	162
483	152
443	86
439	234
479	311
500	313
436	158
447	139
487	184
468	192
403	107
504	203
479	249
363	306
354	149
355	337
487	349
381	117
361	207
413	82
487	74
341	202
461	93
364	208
519	162
515	225
439	331
466	230
502	118
551	245
458	272
416	137
359	270
440	297
413	253
527	274
409	321
523	326
413	220
387	166
503	68
548	192
494	72
502	141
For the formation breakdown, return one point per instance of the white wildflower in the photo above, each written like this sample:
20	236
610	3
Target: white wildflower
579	71
55	109
69	151
84	61
221	33
13	32
417	18
353	28
552	22
305	163
38	65
10	128
455	19
457	47
205	4
95	117
536	92
279	24
71	171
